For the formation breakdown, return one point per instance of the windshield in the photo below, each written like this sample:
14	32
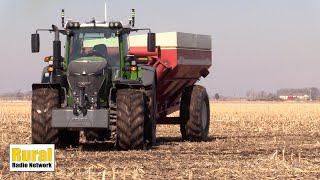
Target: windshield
102	42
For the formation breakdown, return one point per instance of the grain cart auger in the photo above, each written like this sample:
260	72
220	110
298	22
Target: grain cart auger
114	86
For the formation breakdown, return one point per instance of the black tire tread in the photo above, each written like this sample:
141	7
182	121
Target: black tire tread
99	135
44	100
67	138
130	119
190	114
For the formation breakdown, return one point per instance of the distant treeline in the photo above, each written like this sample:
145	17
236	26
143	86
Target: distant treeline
252	95
16	96
313	93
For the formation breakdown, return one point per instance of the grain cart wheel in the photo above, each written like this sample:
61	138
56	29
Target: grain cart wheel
44	100
194	114
130	119
150	123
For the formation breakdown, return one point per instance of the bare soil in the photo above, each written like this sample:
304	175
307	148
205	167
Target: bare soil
247	141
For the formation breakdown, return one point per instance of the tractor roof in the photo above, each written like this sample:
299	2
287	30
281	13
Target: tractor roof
112	24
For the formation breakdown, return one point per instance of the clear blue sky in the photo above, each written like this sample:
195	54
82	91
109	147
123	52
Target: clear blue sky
264	45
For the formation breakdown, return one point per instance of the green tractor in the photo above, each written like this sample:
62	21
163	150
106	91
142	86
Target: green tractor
96	87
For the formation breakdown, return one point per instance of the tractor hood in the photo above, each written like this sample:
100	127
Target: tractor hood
87	73
87	66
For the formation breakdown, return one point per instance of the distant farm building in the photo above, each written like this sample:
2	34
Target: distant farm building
294	97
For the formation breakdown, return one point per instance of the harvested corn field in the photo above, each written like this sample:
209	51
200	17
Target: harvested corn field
248	140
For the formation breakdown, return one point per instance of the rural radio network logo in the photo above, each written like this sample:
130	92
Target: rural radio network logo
32	157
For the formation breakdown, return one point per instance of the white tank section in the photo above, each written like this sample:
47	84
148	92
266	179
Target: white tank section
174	40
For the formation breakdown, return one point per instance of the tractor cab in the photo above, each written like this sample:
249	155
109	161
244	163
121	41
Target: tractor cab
102	41
96	39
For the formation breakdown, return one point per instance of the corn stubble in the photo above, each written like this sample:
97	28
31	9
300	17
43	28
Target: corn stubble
247	141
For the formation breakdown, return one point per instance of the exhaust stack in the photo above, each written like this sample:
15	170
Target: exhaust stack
56	48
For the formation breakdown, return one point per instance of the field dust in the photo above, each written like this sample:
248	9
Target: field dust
248	140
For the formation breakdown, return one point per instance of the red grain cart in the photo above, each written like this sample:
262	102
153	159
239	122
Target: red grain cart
180	60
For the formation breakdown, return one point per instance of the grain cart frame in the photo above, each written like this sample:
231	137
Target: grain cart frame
104	87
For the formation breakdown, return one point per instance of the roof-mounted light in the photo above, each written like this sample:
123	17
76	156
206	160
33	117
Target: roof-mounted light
115	25
72	24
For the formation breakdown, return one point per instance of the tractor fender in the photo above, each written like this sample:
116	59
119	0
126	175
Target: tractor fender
62	92
45	85
148	79
148	75
128	83
50	78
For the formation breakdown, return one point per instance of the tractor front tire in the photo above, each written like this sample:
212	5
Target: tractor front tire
194	114
130	119
44	100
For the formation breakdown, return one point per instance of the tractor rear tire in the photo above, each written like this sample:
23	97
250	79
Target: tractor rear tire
99	135
194	114
44	100
150	123
67	138
130	119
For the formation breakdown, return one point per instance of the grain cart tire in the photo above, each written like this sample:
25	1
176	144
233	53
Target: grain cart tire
150	123
130	119
68	138
194	114
44	100
99	135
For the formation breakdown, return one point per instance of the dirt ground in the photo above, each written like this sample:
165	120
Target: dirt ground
255	140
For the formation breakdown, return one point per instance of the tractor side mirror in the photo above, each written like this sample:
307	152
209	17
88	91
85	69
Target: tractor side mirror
151	42
35	43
